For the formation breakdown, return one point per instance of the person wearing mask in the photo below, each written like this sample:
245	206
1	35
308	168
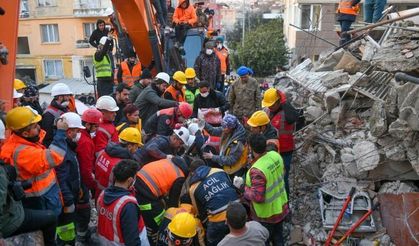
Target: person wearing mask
131	119
102	62
244	95
129	141
19	86
162	147
126	225
68	177
156	181
209	101
166	120
31	98
150	100
106	132
346	15
265	189
184	18
85	151
61	94
233	147
176	90
208	66
14	218
223	55
210	191
139	86
191	86
33	161
283	118
244	233
130	70
373	10
121	97
260	123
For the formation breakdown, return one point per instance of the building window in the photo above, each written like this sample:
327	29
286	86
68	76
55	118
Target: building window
88	28
311	15
23	45
46	3
24	9
53	68
50	33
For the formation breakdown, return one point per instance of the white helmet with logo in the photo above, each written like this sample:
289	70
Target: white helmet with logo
183	134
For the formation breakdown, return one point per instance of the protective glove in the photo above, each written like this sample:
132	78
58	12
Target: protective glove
238	182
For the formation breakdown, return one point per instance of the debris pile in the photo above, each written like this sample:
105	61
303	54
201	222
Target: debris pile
362	131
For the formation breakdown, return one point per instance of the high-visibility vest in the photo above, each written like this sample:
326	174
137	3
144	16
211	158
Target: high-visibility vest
178	96
54	111
271	165
222	56
190	96
130	77
103	169
345	7
160	176
109	219
285	132
103	68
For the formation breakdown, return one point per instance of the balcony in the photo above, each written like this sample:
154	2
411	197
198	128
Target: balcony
82	44
91	8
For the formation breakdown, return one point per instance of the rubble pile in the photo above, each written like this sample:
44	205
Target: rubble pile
362	131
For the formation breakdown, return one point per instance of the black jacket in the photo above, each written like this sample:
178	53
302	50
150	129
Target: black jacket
97	35
215	99
159	124
156	149
48	123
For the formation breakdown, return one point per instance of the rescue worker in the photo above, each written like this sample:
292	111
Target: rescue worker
121	97
259	122
16	98
223	55
103	66
164	121
32	160
202	17
31	99
184	18
130	70
233	148
129	141
244	95
210	192
131	119
182	230
139	86
106	132
19	86
176	90
85	151
119	218
346	15
209	100
191	86
162	147
156	181
61	94
68	176
265	189
283	117
150	100
207	66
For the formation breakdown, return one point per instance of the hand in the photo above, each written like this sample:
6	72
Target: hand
110	36
62	124
208	156
70	209
169	157
238	182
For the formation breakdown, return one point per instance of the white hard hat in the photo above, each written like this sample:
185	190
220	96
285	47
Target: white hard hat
193	128
102	40
191	140
107	103
60	89
73	120
183	134
163	76
16	94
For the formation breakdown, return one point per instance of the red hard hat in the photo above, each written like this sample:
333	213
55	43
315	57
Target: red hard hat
92	116
185	109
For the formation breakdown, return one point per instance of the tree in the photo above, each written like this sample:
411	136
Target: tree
264	48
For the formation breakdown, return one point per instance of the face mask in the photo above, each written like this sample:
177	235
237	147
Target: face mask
209	51
77	137
93	134
65	104
219	46
204	94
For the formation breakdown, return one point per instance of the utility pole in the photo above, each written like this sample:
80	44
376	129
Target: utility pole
244	21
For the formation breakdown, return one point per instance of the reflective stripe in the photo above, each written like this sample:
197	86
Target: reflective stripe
115	227
158	219
108	134
57	149
151	181
276	195
50	159
222	208
145	207
43	191
274	185
282	130
15	155
40	177
55	112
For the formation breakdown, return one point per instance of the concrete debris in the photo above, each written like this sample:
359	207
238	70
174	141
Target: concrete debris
335	78
397	188
349	64
366	156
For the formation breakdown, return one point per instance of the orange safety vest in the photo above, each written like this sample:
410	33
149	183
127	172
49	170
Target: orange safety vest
345	7
179	96
160	176
222	55
130	77
33	162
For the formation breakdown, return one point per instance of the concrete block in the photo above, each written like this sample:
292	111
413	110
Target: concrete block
366	156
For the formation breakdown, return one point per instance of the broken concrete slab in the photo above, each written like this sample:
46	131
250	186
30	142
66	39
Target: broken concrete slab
397	188
378	120
335	78
331	99
348	63
311	113
409	110
26	239
328	62
366	155
399	129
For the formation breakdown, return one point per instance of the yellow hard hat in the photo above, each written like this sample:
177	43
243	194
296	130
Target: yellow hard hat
21	117
190	73
258	118
270	97
131	135
183	225
180	77
18	84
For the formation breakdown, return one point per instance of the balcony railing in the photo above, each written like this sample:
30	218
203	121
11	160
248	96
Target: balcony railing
89	9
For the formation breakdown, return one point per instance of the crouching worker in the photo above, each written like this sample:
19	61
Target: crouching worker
119	219
182	230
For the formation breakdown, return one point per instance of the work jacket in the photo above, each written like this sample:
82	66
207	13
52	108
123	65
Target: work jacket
53	112
162	123
86	156
185	15
106	133
155	149
191	93
349	7
223	57
172	93
130	76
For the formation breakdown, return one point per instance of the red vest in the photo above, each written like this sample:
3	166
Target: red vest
169	112
109	224
103	169
285	132
129	77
